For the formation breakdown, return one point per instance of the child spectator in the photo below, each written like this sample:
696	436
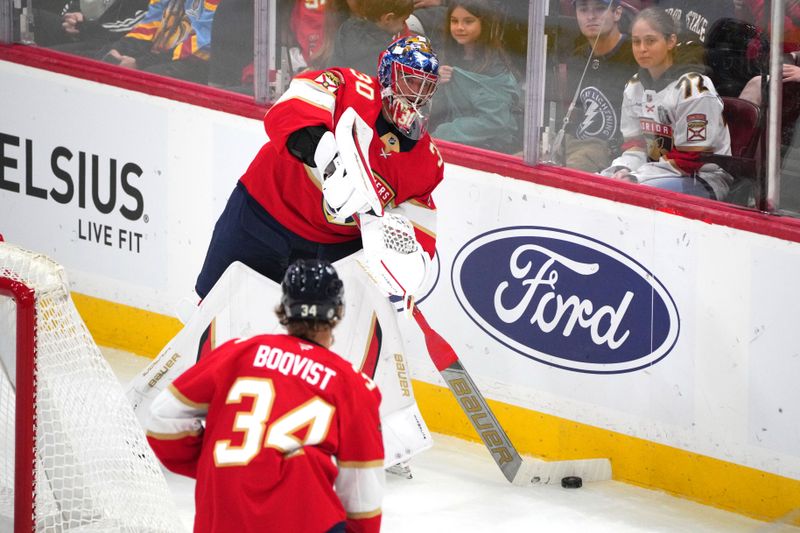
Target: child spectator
597	72
478	91
671	115
362	38
173	40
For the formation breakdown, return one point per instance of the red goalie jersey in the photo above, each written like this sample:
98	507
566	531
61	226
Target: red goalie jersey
277	411
408	170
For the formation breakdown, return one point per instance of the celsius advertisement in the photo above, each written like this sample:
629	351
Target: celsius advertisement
94	200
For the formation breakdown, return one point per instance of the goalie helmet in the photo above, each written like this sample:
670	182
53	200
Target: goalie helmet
408	72
312	290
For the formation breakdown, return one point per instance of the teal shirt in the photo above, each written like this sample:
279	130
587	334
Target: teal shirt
480	110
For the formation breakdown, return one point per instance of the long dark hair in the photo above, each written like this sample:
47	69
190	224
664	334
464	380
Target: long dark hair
659	20
490	47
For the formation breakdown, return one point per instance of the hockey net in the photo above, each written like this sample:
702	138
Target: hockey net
73	457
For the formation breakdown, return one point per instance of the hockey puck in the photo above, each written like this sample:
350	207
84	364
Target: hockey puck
571	482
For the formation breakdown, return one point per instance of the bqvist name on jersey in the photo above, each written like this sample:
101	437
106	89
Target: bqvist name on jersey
565	300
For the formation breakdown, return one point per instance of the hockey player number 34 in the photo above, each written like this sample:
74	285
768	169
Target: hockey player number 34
316	414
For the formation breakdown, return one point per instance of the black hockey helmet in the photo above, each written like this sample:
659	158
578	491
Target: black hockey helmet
312	290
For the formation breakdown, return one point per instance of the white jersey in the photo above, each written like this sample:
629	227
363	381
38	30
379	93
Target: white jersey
668	123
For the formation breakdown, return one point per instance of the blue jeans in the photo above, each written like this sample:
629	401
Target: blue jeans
246	232
685	185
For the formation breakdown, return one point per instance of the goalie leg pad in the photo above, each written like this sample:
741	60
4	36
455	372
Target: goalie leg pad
404	435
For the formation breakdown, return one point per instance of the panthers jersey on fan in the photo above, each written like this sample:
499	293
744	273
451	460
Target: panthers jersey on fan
667	123
278	410
408	170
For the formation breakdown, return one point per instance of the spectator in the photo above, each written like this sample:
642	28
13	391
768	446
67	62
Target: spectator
671	115
336	12
758	12
85	28
362	38
597	72
790	100
300	33
736	51
693	20
479	92
307	23
173	40
256	435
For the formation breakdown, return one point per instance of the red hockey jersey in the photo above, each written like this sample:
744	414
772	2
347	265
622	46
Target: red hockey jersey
292	193
285	421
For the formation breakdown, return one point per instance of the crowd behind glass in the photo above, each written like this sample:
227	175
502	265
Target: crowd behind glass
670	94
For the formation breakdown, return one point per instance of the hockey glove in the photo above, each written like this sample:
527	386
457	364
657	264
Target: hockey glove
342	159
393	258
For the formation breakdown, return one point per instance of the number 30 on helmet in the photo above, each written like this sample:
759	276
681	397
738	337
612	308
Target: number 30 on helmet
408	72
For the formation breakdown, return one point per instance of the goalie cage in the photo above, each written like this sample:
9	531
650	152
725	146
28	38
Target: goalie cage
82	462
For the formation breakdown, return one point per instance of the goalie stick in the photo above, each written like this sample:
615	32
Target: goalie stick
514	468
517	470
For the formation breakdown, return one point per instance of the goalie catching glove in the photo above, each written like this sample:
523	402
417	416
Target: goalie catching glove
392	256
342	161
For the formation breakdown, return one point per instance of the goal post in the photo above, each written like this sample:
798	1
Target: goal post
73	456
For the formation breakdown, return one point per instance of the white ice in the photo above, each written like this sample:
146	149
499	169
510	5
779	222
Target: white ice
456	486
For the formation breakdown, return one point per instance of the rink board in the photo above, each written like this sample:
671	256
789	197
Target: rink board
604	329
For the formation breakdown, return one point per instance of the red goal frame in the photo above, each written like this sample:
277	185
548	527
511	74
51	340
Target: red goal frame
25	413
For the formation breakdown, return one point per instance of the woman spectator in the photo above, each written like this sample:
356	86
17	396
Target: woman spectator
478	90
671	116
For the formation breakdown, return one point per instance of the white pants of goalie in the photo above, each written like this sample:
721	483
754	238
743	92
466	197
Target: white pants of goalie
241	304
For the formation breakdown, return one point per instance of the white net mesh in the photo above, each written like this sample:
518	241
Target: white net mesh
94	469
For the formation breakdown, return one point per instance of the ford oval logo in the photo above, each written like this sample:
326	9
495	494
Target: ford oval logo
565	300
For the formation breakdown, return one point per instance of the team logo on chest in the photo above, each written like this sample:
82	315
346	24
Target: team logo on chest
599	117
391	144
696	125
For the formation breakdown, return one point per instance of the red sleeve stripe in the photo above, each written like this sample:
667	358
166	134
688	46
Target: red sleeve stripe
637	143
184	400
